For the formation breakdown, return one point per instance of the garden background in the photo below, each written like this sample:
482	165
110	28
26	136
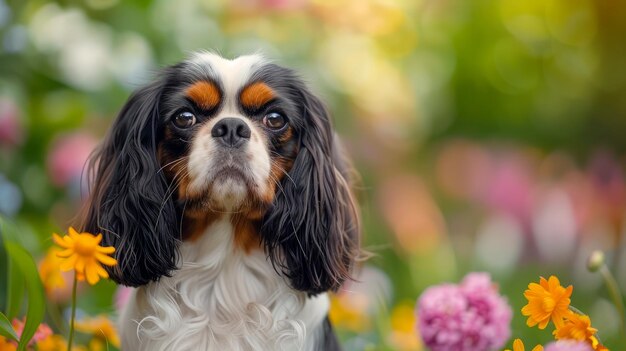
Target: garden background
489	134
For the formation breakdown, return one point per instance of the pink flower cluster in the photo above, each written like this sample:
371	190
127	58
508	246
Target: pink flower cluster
470	316
43	331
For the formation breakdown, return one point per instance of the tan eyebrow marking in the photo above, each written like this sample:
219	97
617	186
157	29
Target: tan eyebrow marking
256	95
205	94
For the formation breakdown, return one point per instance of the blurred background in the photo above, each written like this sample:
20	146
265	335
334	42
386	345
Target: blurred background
489	134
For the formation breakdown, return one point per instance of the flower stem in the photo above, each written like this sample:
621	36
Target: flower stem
71	337
615	293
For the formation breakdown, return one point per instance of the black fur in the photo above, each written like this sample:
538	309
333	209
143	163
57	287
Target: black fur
127	203
329	339
311	231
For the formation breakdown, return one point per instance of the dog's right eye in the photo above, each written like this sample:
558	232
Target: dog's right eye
184	119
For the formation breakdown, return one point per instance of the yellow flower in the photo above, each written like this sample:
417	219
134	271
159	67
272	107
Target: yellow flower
576	327
102	329
348	314
49	271
84	254
518	345
52	343
547	300
56	342
403	336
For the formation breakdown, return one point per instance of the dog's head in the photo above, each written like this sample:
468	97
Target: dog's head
214	137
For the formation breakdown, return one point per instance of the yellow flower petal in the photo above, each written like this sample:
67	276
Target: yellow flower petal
65	253
72	232
80	276
102	272
106	260
92	275
69	263
106	249
80	265
59	241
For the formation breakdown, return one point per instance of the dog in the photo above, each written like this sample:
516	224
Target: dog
227	196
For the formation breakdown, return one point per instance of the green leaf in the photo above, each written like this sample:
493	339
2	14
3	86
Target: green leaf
15	280
34	289
15	293
6	329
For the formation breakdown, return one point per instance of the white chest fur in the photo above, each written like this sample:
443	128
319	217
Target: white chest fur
222	298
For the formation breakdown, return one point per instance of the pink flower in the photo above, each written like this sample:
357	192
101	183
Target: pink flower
122	295
43	331
276	5
471	316
510	187
568	345
11	130
68	156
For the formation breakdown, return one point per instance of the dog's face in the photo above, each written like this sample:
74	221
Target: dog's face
213	137
230	132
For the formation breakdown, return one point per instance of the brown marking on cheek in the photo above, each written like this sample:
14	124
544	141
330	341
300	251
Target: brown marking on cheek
246	234
170	163
195	225
183	185
256	95
174	169
204	94
286	136
278	170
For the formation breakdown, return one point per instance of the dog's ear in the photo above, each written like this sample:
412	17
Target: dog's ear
311	233
128	203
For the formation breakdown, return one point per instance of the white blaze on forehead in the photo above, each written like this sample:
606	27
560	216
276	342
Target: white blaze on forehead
232	74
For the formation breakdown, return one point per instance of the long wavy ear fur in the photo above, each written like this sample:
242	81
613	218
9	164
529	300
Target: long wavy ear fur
312	231
128	202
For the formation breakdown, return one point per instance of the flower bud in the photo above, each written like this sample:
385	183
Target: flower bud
595	261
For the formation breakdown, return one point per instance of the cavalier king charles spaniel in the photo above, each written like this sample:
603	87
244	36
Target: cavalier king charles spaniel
226	195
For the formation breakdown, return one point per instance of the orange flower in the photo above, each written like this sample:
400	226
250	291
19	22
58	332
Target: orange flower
84	254
52	343
518	345
575	327
547	300
7	345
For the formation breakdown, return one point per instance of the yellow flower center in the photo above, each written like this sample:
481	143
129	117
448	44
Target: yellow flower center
85	245
548	304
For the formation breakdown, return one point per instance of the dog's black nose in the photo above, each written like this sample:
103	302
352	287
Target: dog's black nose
232	132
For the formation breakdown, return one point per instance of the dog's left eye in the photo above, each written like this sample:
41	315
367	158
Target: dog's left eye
274	120
185	119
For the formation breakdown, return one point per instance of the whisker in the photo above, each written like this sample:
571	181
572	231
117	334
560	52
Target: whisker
176	161
173	185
